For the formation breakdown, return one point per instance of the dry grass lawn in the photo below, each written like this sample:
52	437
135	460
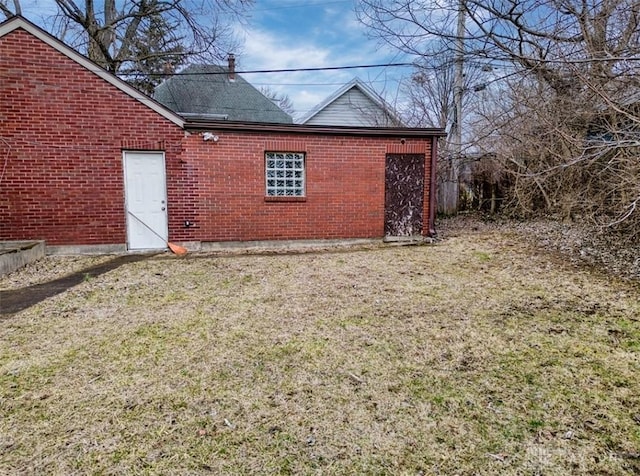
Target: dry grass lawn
476	355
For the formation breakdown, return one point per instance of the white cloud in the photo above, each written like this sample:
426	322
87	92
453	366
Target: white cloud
265	50
38	11
269	50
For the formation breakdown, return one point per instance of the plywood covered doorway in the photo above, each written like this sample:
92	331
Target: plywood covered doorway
404	194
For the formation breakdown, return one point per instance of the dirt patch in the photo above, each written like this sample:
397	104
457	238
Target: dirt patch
477	355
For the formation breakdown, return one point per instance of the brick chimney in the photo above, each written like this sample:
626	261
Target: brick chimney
232	67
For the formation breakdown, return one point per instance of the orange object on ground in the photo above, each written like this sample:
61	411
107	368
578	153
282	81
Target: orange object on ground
177	249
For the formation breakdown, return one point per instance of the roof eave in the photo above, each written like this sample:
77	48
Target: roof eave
206	125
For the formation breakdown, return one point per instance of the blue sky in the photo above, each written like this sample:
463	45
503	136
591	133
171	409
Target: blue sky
317	33
281	34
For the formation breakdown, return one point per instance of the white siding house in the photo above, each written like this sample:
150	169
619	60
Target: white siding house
354	104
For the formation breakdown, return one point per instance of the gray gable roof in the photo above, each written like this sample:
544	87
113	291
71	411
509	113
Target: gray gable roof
205	91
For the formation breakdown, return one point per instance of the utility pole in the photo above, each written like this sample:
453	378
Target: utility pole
458	91
458	87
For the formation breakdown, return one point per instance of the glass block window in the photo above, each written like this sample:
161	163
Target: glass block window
285	174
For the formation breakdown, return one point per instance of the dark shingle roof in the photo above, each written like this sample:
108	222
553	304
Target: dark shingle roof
206	91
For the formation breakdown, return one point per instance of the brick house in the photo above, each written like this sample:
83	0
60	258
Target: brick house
88	162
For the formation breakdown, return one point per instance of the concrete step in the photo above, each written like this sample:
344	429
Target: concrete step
16	254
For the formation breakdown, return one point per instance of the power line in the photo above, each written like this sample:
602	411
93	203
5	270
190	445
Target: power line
286	70
262	83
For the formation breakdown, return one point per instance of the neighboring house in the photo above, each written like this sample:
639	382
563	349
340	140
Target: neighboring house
215	92
90	164
616	120
354	104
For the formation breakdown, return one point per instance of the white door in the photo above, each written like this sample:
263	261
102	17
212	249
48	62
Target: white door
146	200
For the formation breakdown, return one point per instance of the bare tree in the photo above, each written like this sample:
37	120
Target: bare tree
536	35
114	34
429	92
155	53
574	156
430	101
8	13
565	44
283	101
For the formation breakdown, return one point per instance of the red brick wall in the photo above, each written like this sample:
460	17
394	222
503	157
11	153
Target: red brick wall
62	132
344	186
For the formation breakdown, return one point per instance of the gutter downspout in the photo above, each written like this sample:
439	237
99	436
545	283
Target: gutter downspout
432	187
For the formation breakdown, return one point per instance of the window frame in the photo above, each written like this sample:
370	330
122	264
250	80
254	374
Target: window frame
271	191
